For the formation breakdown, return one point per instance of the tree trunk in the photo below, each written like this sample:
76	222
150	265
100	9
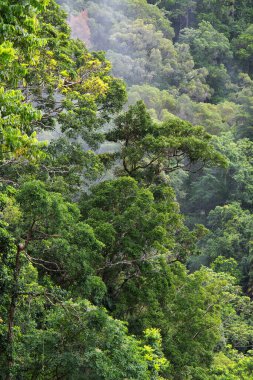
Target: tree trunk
12	311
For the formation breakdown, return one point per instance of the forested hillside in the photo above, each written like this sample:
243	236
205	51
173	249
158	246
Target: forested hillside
126	189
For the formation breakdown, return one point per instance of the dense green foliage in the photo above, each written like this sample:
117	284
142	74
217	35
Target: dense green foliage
126	226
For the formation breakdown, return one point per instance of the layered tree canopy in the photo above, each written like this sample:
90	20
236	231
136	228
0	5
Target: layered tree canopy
126	187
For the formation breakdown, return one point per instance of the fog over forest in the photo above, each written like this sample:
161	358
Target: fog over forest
126	189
